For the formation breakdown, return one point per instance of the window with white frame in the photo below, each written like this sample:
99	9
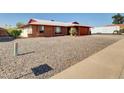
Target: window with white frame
42	29
58	30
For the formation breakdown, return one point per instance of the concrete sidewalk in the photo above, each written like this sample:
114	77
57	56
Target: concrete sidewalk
108	63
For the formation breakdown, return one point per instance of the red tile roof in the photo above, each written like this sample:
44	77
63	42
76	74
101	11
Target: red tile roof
55	23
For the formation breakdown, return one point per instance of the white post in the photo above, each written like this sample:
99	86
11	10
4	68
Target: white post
15	49
0	62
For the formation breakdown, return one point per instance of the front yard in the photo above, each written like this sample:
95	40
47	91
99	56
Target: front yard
53	54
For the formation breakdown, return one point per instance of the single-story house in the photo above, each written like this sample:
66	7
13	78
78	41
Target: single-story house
108	29
3	32
49	28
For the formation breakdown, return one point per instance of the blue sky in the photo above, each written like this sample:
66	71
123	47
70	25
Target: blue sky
92	19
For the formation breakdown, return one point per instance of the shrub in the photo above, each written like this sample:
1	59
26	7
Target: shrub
118	32
14	33
115	32
73	31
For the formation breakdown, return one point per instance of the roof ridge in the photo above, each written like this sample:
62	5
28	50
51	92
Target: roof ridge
47	20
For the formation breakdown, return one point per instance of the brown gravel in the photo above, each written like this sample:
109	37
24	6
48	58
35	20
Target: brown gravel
57	52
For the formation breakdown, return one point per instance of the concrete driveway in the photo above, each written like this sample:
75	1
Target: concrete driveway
106	64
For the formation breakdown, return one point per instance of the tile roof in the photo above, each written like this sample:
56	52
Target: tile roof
1	28
51	22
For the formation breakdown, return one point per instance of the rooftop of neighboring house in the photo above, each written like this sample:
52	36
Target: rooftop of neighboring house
121	25
3	32
53	23
1	29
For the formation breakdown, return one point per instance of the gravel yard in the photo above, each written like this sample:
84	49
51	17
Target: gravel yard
57	52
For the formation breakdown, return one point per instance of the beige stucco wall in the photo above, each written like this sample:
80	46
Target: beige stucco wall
26	31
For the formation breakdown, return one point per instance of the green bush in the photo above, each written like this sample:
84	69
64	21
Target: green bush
118	32
15	33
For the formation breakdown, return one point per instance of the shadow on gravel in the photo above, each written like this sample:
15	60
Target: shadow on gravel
38	70
41	69
26	53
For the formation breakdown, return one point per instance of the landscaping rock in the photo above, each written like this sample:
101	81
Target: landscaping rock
57	52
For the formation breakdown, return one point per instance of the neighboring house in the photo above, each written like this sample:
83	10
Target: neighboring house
109	29
3	32
45	28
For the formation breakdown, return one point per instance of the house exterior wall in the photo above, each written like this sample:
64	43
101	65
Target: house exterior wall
49	31
64	30
26	31
83	31
107	29
35	31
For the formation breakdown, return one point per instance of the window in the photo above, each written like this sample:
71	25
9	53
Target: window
41	29
58	29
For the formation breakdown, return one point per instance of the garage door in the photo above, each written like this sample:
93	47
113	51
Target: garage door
84	31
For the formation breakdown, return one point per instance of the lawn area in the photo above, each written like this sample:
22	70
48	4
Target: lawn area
53	54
